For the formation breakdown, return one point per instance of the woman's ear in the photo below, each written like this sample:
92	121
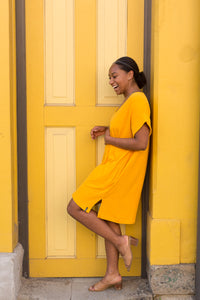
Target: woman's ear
130	75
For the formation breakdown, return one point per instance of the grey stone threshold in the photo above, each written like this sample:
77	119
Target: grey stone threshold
77	289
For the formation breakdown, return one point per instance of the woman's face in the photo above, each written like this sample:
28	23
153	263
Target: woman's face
119	79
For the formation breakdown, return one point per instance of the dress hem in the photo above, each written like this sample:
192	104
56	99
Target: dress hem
115	220
87	209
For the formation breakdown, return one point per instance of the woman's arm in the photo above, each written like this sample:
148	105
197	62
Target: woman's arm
137	143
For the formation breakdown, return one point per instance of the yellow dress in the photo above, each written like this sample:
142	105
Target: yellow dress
117	182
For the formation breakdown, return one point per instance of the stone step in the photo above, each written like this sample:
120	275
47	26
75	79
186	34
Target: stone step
77	289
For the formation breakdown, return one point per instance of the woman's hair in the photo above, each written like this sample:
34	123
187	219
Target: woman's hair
127	64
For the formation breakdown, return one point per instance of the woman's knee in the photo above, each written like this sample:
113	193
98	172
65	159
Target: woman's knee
73	208
70	208
114	226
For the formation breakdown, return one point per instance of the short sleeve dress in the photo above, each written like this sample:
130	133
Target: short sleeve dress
117	182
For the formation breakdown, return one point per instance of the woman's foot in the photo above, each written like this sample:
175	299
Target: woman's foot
107	282
127	252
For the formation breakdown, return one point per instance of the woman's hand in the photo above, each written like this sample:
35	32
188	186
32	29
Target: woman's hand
97	131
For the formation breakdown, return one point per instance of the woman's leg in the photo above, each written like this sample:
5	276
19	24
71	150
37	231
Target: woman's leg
112	253
112	276
99	226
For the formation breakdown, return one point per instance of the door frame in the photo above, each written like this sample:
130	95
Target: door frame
22	130
147	91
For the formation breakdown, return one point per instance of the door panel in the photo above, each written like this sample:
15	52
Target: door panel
70	46
60	184
59	52
111	44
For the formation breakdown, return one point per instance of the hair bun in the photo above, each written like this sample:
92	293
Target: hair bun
140	79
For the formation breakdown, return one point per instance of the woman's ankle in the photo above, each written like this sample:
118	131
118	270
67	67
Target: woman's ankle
112	274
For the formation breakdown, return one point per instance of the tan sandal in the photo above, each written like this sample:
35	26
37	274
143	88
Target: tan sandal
101	286
128	256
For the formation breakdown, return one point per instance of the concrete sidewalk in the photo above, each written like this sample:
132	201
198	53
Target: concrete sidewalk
77	289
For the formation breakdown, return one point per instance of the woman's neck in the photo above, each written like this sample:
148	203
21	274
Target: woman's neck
131	90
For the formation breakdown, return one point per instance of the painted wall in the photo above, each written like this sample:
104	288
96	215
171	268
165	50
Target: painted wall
8	144
172	218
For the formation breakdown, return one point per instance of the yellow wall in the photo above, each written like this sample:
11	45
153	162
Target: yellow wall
8	154
175	94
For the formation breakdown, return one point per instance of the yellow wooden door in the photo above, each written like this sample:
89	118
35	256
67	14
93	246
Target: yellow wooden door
70	45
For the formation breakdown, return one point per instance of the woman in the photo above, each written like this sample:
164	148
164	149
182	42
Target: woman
117	182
